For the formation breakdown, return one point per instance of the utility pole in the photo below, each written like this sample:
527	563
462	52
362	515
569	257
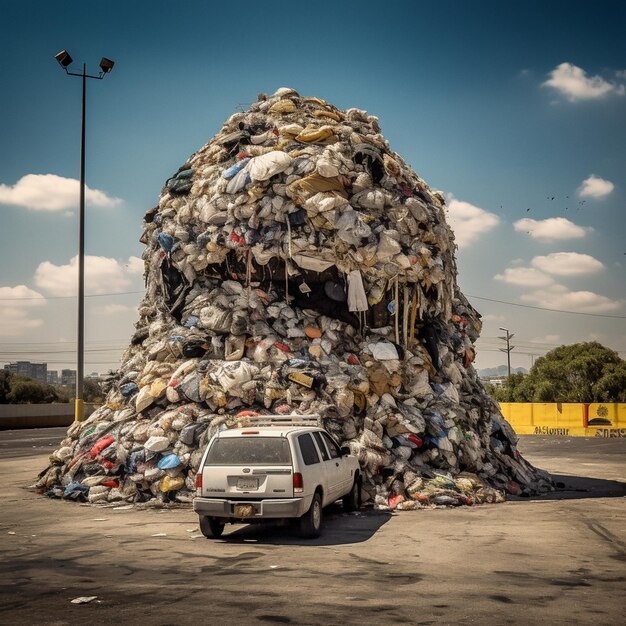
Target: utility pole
508	348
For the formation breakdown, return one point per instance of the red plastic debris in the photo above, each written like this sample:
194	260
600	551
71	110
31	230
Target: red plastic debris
101	444
415	439
395	499
513	488
238	239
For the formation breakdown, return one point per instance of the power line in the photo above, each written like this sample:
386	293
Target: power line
18	352
523	306
61	342
541	308
92	295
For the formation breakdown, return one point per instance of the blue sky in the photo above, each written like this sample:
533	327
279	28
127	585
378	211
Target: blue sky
515	110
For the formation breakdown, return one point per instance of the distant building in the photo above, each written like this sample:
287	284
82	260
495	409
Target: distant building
53	377
36	371
68	377
496	381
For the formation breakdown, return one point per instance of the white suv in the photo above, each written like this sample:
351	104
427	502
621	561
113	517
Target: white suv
277	467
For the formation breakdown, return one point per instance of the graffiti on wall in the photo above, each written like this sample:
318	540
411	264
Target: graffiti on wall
611	432
547	430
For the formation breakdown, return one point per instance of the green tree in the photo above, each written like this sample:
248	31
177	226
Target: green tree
581	372
611	387
5	386
27	391
510	391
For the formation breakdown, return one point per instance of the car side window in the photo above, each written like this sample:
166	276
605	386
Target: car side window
308	450
320	444
333	448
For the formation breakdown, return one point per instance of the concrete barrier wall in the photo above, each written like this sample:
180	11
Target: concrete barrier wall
567	419
527	418
38	415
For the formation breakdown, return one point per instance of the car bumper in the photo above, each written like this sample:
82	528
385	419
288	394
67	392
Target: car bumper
274	508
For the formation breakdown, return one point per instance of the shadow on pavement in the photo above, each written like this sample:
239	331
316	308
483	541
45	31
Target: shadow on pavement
338	528
580	487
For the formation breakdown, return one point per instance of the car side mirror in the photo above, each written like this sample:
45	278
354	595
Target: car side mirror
345	450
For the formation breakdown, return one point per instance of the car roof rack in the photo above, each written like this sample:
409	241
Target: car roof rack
292	419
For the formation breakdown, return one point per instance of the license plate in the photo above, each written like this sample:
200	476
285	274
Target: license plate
247	484
243	510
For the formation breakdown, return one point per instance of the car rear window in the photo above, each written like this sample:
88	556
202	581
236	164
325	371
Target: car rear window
249	451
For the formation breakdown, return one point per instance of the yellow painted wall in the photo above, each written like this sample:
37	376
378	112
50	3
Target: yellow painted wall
568	419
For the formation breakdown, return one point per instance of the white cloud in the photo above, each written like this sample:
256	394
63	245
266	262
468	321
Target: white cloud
20	294
469	222
115	309
490	317
16	322
595	187
572	82
551	229
102	275
561	298
49	192
525	277
16	304
547	339
135	265
567	264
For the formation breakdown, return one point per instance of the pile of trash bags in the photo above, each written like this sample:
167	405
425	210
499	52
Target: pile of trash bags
296	264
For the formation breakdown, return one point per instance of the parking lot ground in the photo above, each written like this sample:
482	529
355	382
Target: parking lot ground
556	559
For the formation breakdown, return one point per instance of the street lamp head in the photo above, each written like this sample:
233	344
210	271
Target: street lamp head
106	65
63	58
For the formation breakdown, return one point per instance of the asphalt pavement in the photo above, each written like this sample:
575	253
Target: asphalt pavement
556	559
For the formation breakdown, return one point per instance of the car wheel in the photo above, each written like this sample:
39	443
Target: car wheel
311	521
211	526
352	500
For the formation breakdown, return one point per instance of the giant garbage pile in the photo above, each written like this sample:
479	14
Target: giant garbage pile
296	264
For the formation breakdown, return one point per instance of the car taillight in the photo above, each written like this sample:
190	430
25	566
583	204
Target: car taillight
199	481
298	483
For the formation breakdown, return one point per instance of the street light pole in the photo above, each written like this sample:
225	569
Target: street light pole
508	348
106	65
79	407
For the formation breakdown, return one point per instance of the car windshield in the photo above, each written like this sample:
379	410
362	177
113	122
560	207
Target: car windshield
249	451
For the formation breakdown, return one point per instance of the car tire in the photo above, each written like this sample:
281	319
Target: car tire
211	527
352	500
311	521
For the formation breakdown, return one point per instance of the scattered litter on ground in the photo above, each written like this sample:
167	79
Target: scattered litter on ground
83	599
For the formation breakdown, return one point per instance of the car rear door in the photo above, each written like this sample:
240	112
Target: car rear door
342	474
331	466
313	471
